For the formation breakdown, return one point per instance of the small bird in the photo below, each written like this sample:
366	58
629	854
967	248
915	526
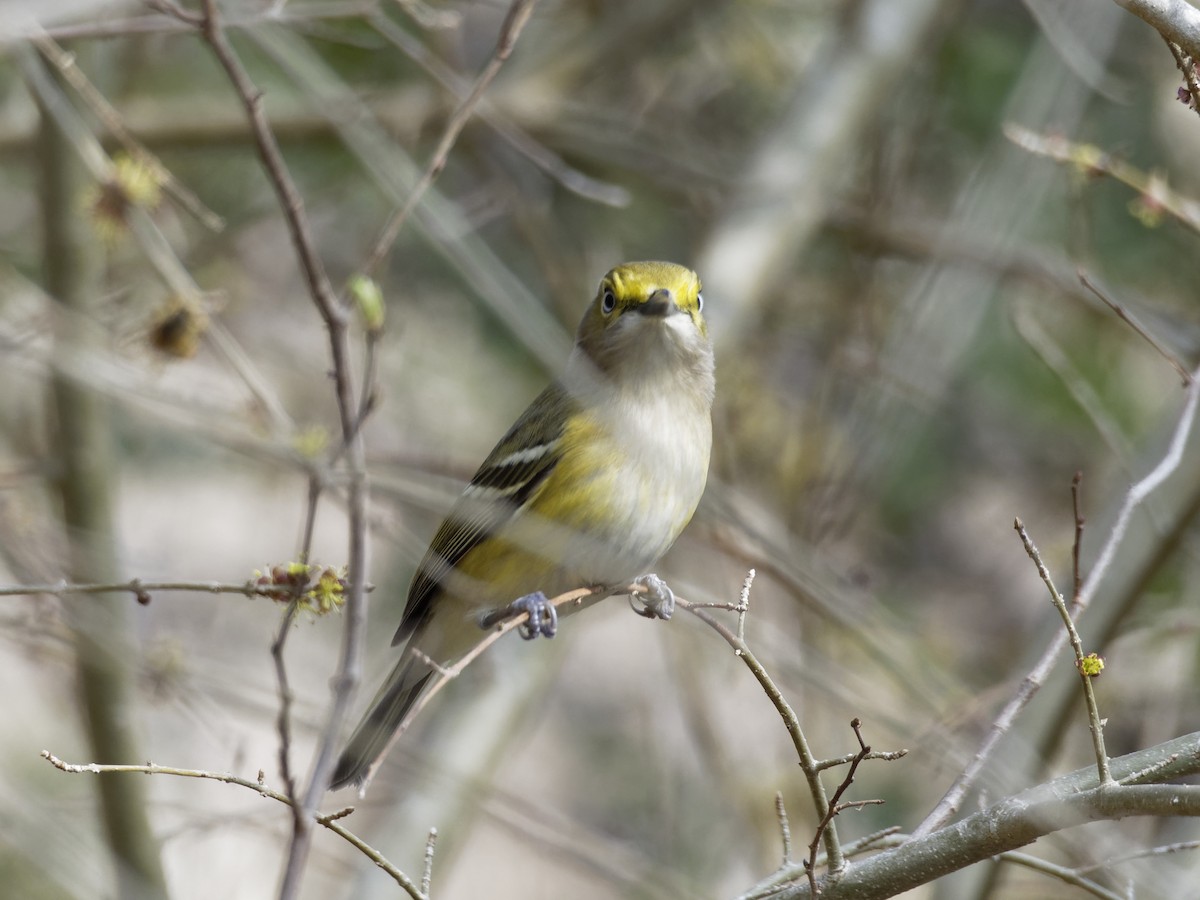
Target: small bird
589	488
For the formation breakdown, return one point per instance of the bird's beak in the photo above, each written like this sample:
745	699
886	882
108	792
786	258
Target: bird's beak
659	304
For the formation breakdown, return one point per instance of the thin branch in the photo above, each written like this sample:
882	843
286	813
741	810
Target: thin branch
334	313
1133	323
1077	544
882	755
808	762
142	590
326	821
290	200
283	721
1162	850
543	157
427	870
518	15
1094	722
835	807
785	830
1062	873
952	801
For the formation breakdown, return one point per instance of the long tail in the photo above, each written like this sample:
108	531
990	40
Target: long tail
399	692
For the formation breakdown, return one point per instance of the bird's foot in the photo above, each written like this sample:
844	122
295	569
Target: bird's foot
543	617
658	602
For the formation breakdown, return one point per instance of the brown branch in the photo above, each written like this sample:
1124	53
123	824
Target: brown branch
334	313
1077	544
810	865
329	821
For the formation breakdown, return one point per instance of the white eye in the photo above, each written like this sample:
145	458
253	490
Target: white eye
699	303
608	302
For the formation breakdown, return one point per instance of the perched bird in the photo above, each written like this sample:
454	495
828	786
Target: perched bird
589	488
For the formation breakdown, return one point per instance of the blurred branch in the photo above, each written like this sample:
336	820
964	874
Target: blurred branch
111	119
1137	326
1155	196
514	22
104	653
329	821
540	155
1061	873
442	223
800	168
173	23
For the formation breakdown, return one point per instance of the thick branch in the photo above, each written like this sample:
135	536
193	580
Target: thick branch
1020	820
1175	20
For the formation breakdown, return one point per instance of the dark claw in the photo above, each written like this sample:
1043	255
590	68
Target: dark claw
543	617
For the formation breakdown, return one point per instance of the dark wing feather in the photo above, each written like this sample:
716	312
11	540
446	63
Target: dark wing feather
521	461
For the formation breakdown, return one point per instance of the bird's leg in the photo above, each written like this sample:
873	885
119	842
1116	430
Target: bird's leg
657	603
543	617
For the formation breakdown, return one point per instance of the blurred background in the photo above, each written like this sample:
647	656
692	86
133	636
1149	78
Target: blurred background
906	361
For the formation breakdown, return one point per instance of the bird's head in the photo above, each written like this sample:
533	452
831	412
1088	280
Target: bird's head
646	320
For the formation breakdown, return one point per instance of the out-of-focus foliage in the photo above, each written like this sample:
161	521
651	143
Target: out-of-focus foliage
917	366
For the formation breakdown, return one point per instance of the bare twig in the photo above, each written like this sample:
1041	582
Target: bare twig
514	22
427	870
327	821
785	830
836	807
283	719
140	589
808	762
743	606
1094	721
1077	544
1127	317
882	755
